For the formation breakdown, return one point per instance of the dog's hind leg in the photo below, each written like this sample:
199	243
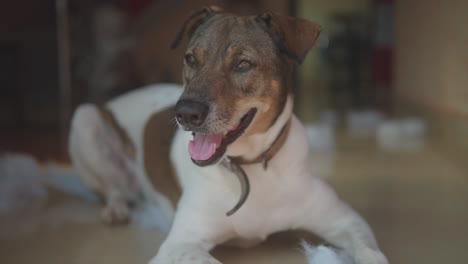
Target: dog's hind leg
103	161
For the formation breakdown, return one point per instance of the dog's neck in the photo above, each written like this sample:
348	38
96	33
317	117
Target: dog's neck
253	146
271	151
257	148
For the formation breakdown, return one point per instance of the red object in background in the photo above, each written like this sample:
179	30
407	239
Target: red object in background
382	54
382	63
134	7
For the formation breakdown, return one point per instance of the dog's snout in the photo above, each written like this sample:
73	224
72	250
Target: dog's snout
191	113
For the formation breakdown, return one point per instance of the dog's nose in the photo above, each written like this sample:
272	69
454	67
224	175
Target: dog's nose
191	113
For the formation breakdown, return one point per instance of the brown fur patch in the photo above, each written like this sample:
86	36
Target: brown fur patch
128	145
157	140
275	107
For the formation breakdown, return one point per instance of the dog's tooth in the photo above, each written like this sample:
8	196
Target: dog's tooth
213	148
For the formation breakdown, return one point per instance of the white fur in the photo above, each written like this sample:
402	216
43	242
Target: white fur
132	111
98	156
285	196
325	255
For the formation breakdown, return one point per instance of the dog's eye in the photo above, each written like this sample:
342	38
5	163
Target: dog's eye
190	60
243	66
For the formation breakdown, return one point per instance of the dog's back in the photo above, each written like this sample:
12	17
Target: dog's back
132	110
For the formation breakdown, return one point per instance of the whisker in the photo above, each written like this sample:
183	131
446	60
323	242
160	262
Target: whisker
174	124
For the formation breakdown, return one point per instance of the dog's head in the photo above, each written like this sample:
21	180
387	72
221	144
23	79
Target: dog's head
237	75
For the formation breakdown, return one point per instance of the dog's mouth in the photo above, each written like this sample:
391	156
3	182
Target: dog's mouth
207	149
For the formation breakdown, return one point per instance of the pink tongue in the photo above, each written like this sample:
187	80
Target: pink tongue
203	146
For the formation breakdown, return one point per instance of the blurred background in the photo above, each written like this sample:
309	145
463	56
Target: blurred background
384	96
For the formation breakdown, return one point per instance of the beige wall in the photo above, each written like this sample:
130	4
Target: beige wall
431	65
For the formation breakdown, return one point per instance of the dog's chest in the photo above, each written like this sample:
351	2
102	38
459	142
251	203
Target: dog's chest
272	204
276	198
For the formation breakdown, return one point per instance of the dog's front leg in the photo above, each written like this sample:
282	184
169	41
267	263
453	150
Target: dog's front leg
333	220
197	228
184	253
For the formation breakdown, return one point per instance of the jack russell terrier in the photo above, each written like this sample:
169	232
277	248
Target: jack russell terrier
236	120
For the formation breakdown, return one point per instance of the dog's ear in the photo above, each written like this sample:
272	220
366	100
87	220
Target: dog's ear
293	36
192	22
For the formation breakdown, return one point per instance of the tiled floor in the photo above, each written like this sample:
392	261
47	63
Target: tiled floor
417	203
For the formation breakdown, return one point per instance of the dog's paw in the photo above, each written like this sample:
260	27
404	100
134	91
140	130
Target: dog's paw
193	260
370	256
184	255
116	215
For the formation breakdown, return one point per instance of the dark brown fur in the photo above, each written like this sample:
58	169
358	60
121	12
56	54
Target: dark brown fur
158	135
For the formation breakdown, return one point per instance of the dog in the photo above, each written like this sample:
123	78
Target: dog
235	119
